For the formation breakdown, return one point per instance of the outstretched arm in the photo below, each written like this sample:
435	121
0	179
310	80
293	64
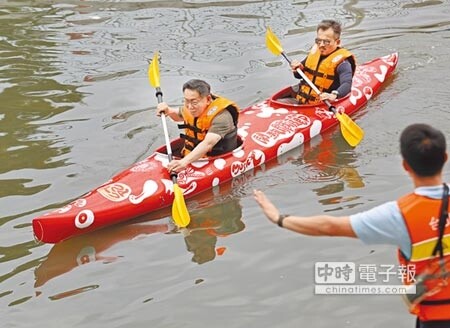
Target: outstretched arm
320	225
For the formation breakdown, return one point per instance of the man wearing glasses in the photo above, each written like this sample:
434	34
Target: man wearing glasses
210	123
327	65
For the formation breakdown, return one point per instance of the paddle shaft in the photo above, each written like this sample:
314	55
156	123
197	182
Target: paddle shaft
166	133
180	213
312	86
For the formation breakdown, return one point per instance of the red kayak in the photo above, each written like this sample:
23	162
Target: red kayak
267	130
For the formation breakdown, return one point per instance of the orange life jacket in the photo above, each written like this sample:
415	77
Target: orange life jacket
322	73
196	128
421	215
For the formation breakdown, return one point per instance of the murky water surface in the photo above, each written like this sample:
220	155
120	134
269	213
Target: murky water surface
76	108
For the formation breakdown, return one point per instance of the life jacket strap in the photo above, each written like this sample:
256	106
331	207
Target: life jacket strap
435	302
191	127
318	74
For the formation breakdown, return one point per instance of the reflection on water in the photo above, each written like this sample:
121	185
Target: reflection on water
80	250
201	236
326	160
334	160
72	292
210	224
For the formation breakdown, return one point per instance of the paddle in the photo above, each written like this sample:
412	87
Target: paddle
180	213
351	132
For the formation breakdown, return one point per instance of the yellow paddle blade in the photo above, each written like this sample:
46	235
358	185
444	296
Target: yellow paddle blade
153	71
351	132
272	42
180	213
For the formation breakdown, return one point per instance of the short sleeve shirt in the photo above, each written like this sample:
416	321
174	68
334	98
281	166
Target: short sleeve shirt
222	124
384	224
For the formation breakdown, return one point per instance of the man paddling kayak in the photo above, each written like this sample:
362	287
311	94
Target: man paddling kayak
210	123
329	66
415	223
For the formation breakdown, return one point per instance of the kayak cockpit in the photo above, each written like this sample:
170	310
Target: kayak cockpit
284	99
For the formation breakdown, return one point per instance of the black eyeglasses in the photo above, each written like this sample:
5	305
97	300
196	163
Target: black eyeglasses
324	41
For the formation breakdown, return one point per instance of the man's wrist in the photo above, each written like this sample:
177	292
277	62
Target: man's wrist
281	218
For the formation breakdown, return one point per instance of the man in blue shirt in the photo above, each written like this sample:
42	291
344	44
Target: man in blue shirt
423	150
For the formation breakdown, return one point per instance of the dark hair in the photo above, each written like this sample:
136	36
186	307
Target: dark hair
329	23
424	149
203	88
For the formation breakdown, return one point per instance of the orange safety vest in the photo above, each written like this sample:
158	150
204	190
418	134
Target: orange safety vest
196	128
421	215
322	73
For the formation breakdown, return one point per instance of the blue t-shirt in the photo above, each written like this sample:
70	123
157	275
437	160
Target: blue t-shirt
384	224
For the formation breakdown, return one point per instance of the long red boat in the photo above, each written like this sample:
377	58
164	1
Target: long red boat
267	130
